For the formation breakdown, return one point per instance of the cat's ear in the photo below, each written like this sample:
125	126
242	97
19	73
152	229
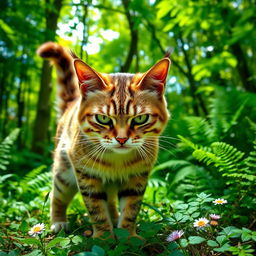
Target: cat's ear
89	79
155	78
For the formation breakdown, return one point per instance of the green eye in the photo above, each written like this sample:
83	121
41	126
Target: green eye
102	119
139	120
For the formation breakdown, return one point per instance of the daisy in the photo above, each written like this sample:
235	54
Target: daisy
201	223
214	216
37	229
175	235
219	201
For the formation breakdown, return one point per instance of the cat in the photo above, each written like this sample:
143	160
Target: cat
106	141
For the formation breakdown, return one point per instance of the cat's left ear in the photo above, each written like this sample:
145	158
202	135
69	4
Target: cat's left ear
155	78
89	79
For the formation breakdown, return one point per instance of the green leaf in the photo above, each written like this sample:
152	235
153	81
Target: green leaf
176	253
55	241
229	231
23	226
121	233
195	215
34	253
254	236
212	243
98	250
196	239
224	248
32	241
65	242
183	242
178	216
135	241
221	239
77	239
246	236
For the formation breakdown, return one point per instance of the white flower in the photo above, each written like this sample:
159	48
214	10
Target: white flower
37	229
201	223
175	235
219	201
214	216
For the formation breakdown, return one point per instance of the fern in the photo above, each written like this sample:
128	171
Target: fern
200	130
158	177
42	180
228	160
224	114
5	148
35	179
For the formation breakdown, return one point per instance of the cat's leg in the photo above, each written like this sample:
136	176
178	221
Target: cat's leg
112	203
130	195
95	199
64	189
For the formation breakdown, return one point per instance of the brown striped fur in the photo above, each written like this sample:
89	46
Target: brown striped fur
106	162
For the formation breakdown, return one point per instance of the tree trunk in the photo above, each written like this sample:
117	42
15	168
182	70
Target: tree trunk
42	120
243	69
133	50
85	32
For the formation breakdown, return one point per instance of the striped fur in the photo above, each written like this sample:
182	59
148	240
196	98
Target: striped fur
105	162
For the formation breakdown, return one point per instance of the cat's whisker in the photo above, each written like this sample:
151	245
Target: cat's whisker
148	152
89	155
160	147
163	137
167	142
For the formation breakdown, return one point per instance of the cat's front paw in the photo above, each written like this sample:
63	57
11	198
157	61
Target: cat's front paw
58	226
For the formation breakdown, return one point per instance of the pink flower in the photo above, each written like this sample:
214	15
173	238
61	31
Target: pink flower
175	235
214	216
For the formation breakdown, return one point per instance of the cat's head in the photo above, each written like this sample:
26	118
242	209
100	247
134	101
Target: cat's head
121	111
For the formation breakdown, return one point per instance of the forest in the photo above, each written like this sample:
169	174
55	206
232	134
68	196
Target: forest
201	194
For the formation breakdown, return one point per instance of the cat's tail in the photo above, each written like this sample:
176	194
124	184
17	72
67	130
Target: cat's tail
67	80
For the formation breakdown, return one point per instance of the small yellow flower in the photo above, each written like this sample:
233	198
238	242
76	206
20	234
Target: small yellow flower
214	223
37	229
220	201
201	223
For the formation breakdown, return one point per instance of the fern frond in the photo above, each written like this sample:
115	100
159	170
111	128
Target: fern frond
188	143
230	157
42	180
224	114
250	161
206	157
32	174
201	130
5	148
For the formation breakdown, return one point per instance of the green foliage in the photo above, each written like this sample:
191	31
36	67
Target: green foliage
5	148
35	179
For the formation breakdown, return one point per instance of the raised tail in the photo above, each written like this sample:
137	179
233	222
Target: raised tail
67	80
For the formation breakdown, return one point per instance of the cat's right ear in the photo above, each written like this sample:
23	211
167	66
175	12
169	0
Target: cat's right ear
89	79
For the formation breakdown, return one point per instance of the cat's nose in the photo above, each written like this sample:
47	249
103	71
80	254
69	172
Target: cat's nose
121	140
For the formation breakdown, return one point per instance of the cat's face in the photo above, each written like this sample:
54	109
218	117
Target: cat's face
122	112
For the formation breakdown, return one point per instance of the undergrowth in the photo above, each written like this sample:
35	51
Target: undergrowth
200	201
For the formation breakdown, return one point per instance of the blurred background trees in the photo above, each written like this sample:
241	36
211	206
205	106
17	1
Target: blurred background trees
212	73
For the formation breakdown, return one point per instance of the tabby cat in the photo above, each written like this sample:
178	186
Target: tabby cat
107	139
